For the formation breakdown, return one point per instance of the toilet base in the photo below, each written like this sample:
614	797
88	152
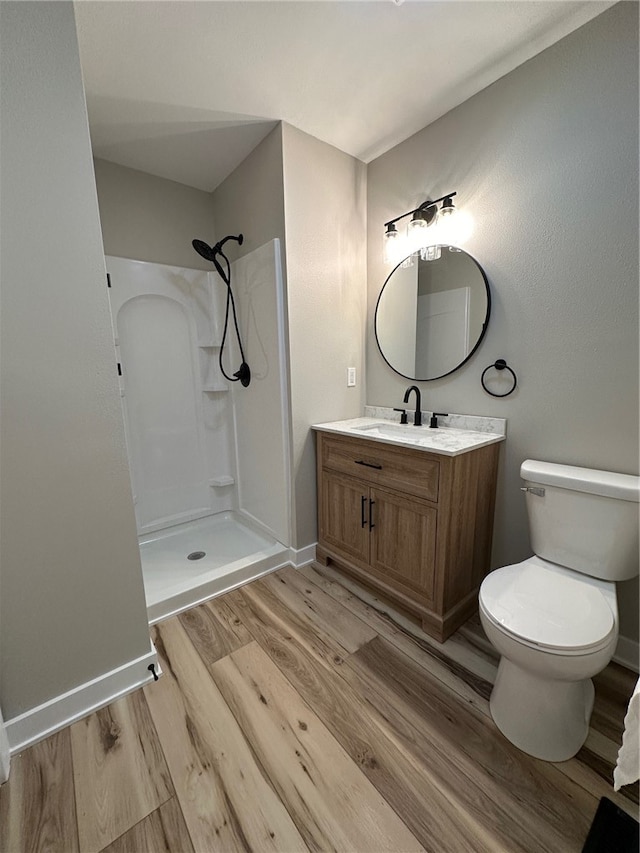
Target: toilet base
546	718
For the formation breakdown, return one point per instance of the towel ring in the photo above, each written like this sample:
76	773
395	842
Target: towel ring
499	364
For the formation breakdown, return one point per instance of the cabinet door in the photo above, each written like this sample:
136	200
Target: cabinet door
403	543
344	516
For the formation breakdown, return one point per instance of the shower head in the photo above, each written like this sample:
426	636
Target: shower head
205	251
209	252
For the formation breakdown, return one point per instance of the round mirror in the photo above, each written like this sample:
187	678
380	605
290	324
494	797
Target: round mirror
432	315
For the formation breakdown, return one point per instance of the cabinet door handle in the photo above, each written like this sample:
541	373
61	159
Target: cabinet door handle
371	505
362	506
368	464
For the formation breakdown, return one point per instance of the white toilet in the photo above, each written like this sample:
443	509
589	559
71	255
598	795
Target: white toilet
554	617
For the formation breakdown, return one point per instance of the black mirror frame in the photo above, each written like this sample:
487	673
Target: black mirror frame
477	344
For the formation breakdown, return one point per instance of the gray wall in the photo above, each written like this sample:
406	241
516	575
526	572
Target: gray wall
151	219
546	162
251	200
325	206
73	604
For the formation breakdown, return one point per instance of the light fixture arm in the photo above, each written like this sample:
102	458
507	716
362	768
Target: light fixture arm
424	206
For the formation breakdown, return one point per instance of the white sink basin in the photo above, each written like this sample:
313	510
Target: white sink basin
444	440
392	430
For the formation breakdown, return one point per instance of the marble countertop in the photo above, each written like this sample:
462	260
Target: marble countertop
446	440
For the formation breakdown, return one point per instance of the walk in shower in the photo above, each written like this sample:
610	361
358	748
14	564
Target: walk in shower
209	459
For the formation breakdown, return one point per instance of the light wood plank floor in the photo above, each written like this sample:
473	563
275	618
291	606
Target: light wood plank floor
302	712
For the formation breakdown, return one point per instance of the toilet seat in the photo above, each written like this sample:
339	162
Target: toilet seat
548	607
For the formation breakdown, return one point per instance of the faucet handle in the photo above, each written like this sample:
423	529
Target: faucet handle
433	423
403	415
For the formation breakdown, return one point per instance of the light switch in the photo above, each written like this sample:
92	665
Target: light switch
351	376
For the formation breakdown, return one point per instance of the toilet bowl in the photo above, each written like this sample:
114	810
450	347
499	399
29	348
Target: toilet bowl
554	617
554	630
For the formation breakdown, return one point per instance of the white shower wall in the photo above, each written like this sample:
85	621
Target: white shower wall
262	465
197	444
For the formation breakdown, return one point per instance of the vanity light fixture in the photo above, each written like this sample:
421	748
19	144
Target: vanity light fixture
422	217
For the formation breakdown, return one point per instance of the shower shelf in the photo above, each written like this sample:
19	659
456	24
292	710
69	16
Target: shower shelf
214	389
222	480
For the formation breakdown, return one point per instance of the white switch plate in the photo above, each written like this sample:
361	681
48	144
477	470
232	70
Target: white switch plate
351	377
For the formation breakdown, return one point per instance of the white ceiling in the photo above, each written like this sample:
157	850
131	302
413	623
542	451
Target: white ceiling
185	90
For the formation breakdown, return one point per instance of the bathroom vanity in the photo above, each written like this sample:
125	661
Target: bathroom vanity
409	510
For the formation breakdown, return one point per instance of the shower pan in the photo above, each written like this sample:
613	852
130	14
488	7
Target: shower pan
209	459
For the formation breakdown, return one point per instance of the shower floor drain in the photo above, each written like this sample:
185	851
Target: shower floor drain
196	555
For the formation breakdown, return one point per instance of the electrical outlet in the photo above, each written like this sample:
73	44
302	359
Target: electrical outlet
351	377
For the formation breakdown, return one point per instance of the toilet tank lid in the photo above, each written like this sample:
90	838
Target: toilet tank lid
625	487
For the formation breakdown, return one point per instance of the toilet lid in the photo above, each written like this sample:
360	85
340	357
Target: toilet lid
546	605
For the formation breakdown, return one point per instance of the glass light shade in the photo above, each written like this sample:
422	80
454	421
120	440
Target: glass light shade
408	262
447	207
417	223
456	228
419	231
447	227
391	244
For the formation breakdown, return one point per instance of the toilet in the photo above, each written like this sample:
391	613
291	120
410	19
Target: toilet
554	617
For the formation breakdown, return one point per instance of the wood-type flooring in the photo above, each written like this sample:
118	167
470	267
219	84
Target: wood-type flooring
301	712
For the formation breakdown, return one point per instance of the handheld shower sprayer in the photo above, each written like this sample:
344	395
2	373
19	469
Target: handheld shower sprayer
211	253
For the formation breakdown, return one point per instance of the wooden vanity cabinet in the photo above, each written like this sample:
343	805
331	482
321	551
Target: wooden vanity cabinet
415	525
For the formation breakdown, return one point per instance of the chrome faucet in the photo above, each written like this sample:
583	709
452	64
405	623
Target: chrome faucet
417	417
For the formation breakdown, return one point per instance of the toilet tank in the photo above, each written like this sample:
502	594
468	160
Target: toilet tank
586	520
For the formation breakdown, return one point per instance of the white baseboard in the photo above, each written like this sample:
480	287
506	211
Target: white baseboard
303	556
40	722
627	653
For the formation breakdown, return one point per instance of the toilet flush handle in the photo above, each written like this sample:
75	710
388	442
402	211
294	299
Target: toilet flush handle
534	490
